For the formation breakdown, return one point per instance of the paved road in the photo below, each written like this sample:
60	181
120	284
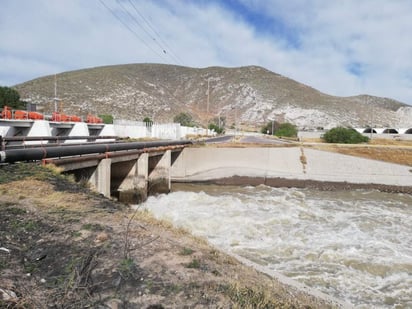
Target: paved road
262	140
248	139
219	139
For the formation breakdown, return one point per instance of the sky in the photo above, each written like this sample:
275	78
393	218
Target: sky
340	47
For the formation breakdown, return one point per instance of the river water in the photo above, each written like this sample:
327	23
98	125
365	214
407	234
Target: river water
353	245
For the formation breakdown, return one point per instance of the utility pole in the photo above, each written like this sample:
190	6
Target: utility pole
366	97
207	106
55	93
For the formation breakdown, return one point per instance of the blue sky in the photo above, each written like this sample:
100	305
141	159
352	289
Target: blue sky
342	47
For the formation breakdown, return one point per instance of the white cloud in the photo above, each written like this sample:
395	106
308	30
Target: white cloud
321	43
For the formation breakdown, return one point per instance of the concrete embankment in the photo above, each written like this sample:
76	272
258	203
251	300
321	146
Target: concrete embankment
289	167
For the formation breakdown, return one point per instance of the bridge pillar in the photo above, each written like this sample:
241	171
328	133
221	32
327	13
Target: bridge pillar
159	178
100	178
128	177
142	178
134	187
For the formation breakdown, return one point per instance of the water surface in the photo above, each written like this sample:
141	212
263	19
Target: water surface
353	245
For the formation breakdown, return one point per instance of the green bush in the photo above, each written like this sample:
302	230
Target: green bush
184	119
267	128
343	135
147	120
286	130
216	128
107	119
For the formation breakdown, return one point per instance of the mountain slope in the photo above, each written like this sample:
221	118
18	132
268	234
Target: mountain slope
249	96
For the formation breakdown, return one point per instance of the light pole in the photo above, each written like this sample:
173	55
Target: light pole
56	99
366	98
207	105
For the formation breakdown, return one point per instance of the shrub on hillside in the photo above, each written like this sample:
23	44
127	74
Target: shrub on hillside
107	119
147	120
184	119
343	135
216	128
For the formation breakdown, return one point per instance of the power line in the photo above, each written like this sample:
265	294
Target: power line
176	58
130	29
163	49
138	24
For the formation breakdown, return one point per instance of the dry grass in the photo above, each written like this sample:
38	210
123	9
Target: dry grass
399	152
390	142
98	252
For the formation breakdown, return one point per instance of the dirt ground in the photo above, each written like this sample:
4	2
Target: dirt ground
399	152
392	151
63	246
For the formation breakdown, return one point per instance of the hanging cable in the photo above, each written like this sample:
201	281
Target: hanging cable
151	27
131	30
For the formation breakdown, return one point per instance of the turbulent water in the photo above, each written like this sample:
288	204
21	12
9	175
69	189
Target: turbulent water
355	246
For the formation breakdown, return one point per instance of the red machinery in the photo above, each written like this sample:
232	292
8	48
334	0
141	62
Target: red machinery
21	115
8	113
60	117
93	119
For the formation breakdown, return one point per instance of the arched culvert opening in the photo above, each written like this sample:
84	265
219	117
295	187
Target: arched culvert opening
390	131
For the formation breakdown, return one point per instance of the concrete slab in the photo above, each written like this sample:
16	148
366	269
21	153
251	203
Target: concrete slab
202	164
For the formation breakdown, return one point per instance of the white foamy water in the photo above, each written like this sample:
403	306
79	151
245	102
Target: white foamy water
355	246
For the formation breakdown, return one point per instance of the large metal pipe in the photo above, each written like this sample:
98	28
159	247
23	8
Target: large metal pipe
29	146
10	156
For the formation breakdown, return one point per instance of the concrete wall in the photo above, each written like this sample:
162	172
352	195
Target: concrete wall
174	131
201	164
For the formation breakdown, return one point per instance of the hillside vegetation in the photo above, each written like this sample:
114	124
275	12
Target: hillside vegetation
248	96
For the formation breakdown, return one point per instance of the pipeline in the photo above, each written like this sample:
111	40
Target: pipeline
106	155
34	154
48	145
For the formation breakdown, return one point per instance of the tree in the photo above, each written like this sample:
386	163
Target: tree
343	135
218	124
216	128
147	120
107	119
11	98
184	119
287	130
269	127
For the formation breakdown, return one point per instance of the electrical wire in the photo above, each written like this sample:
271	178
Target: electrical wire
137	23
156	33
131	30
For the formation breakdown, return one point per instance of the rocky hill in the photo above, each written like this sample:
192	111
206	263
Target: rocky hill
249	96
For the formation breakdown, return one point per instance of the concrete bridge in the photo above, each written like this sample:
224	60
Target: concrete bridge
129	171
132	171
129	176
